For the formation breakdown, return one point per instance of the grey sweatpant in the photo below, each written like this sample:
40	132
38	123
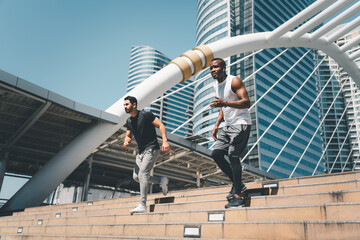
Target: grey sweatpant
232	141
144	163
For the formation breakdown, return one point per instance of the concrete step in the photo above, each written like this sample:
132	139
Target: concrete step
256	201
321	207
267	201
319	180
333	211
345	196
214	230
87	237
319	187
214	201
334	177
278	200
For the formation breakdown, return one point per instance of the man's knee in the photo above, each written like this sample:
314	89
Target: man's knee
235	161
143	175
234	158
135	177
218	154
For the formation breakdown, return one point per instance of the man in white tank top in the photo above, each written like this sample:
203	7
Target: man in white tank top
233	103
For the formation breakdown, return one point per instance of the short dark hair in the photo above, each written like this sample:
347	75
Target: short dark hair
131	99
222	62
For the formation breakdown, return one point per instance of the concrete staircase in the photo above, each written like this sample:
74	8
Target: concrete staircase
320	207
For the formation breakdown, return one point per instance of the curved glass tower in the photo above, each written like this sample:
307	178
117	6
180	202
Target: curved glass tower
218	19
144	62
212	23
173	110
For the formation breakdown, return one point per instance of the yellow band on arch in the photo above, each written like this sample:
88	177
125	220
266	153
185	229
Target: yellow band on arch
207	53
184	67
195	59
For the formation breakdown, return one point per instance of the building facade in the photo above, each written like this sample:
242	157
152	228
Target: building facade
334	127
218	19
174	110
352	99
341	132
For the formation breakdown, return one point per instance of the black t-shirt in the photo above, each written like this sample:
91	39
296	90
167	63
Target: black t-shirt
143	130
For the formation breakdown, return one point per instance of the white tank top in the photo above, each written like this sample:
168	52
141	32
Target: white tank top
232	116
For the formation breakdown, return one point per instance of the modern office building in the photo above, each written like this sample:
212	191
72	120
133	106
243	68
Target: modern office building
174	110
218	19
334	127
348	157
352	98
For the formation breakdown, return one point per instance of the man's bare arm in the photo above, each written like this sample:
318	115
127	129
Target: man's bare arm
216	127
127	140
237	87
165	145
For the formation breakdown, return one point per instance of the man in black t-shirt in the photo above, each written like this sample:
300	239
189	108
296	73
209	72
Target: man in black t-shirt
142	125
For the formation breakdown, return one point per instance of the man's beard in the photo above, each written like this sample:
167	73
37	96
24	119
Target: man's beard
128	110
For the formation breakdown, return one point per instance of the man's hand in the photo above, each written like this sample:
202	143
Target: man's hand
214	133
218	102
127	140
126	144
165	147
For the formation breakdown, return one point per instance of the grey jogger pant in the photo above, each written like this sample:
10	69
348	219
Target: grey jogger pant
144	163
233	139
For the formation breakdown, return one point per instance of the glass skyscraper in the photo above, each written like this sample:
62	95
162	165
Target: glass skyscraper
174	110
346	136
218	19
331	107
352	97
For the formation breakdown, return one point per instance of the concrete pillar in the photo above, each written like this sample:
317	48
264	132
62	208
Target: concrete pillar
53	197
198	178
84	196
75	194
3	168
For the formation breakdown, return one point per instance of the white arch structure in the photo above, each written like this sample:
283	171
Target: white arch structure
191	62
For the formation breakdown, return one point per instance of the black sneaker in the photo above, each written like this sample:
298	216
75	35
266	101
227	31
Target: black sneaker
231	194
235	202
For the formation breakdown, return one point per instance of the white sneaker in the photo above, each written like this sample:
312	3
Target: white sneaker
141	208
164	185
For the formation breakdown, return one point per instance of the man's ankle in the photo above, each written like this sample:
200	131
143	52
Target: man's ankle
237	195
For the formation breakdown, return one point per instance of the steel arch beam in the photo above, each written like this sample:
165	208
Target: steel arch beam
72	155
245	43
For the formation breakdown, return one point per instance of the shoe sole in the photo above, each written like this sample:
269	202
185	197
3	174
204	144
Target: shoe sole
132	212
243	205
242	191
